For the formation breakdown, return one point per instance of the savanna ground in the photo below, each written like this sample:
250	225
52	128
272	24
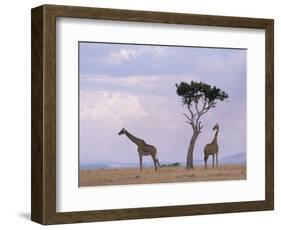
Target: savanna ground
123	176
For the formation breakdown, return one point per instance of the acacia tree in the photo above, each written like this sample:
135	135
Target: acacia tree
199	98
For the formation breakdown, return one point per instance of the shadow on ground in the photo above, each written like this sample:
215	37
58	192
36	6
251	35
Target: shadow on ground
24	215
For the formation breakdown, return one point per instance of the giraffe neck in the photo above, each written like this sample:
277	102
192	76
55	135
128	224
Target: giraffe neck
215	138
134	139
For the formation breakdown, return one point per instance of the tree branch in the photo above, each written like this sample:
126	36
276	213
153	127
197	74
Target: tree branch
200	127
196	107
192	115
190	120
205	109
200	113
187	117
189	123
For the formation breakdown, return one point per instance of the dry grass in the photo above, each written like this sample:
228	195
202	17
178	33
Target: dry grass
122	176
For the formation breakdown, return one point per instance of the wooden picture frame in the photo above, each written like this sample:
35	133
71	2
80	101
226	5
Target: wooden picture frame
43	160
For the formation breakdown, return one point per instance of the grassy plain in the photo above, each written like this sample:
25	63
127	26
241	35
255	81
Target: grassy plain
123	176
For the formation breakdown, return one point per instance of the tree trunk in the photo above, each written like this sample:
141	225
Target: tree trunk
189	160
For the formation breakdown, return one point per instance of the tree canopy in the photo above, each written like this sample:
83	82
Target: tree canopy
196	91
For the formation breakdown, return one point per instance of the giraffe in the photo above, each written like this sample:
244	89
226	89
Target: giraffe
144	149
212	148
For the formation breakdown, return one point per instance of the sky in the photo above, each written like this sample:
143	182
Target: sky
133	87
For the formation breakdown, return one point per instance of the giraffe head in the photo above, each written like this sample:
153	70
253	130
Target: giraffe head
216	126
122	131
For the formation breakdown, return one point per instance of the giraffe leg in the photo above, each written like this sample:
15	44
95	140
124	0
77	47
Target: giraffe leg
140	162
213	160
217	161
154	161
158	163
205	159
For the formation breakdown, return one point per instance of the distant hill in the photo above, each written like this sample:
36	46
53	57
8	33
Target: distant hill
239	158
115	164
108	164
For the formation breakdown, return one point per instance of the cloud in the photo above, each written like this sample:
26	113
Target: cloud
133	102
157	119
222	66
160	51
109	106
120	56
117	57
136	84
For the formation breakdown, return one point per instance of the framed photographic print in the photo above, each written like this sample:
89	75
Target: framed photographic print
139	114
